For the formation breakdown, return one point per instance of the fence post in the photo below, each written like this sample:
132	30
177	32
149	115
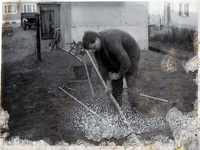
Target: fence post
38	39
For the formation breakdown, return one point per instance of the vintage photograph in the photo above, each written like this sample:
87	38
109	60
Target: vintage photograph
99	75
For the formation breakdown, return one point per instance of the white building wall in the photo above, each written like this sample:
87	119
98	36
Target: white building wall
156	13
97	16
65	24
183	21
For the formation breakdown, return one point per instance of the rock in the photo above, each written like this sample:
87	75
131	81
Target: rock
175	118
103	143
83	143
169	64
192	143
162	146
133	141
62	143
2	141
195	105
111	144
162	142
4	116
192	64
184	128
139	147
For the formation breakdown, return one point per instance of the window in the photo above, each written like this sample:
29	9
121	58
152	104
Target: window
29	8
184	9
10	9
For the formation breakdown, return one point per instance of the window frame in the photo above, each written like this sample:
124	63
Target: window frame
13	9
184	9
33	6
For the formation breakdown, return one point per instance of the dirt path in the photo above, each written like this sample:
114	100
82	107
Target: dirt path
39	110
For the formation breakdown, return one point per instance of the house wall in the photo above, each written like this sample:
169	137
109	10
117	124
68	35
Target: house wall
156	13
97	16
181	21
14	18
65	10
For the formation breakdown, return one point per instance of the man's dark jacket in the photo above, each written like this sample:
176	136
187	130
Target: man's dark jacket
119	52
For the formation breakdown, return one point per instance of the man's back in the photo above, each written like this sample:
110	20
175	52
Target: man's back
116	40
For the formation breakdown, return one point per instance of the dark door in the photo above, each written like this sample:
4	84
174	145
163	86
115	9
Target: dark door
49	20
47	23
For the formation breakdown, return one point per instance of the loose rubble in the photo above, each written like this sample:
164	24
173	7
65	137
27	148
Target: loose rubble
184	127
4	117
112	125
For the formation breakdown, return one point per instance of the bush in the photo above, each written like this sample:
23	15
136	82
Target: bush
182	36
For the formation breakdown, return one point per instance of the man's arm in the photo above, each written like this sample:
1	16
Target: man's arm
117	49
101	67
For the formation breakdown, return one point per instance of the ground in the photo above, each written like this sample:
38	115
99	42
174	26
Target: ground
38	109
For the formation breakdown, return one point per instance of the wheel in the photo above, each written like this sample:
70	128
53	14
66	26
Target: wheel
53	43
58	40
24	24
58	43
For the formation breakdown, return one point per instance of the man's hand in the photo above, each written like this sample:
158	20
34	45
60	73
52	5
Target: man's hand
114	76
109	86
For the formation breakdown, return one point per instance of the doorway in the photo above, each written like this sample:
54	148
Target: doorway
50	20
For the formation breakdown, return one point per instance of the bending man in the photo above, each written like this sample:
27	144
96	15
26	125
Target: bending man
117	55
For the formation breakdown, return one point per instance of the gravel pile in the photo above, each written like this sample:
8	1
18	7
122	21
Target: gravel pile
185	129
112	125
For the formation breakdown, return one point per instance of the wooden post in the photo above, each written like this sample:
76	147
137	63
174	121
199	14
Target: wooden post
38	39
88	76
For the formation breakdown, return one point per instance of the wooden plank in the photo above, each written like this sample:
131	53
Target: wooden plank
38	39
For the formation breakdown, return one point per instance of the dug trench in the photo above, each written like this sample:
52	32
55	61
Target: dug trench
39	110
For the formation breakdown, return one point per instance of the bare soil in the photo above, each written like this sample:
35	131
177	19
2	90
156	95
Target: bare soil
38	109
